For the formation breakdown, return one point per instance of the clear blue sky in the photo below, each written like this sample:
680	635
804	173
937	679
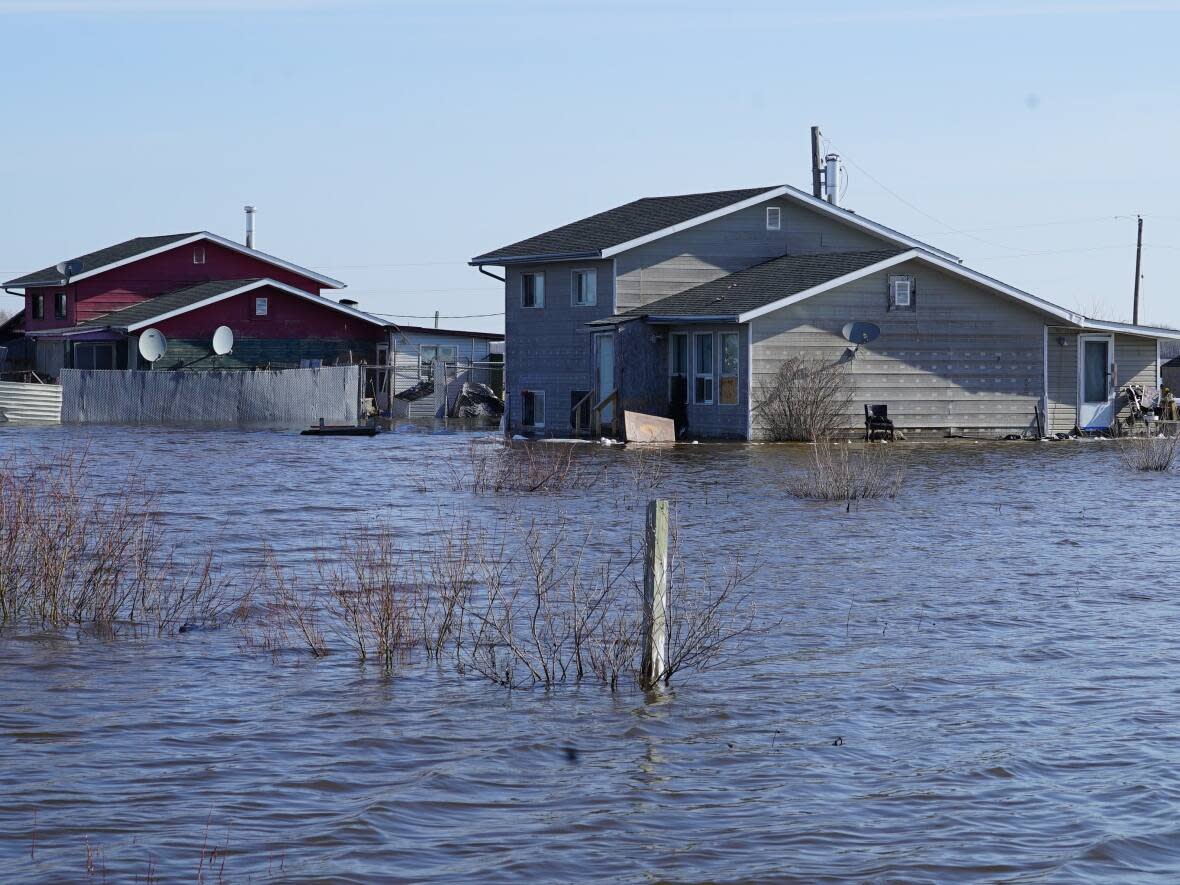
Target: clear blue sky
385	143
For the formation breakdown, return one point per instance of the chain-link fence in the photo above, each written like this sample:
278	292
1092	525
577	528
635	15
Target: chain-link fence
417	388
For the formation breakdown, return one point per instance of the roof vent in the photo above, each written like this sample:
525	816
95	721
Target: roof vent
348	302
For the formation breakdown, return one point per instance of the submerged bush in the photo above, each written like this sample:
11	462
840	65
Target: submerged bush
70	555
516	601
837	473
804	401
1148	452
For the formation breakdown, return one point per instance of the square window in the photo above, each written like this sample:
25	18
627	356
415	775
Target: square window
585	287
261	306
532	290
774	218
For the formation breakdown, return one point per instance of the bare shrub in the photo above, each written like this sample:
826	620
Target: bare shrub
805	400
518	602
71	555
1148	452
515	467
288	612
837	473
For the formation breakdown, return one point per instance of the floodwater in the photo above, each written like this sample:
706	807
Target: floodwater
977	682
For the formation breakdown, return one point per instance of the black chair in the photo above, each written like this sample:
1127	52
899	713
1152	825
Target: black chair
877	419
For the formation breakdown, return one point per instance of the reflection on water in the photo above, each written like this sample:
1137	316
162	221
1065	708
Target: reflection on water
975	682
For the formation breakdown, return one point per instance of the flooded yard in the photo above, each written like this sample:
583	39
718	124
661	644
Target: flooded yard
974	682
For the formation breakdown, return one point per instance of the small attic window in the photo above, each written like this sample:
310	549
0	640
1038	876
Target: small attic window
774	218
198	254
901	292
260	307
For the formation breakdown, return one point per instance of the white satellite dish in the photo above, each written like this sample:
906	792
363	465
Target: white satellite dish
152	345
223	340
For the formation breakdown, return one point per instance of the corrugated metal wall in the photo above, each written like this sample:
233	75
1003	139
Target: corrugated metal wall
283	398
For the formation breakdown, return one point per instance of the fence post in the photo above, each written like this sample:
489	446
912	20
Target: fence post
655	594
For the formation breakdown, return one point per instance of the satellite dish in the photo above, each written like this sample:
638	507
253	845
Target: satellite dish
860	333
223	340
68	268
152	345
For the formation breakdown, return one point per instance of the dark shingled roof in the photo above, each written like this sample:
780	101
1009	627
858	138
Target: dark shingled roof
101	258
161	304
621	224
763	284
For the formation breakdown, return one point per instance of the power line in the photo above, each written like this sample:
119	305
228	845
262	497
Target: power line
412	316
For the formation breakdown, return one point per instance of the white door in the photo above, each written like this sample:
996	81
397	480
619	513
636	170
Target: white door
604	370
1096	382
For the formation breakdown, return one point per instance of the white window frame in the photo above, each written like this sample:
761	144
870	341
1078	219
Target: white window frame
774	218
579	275
538	397
198	254
895	282
697	374
538	277
737	370
261	306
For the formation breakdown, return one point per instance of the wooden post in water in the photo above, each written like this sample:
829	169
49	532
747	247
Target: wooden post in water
655	594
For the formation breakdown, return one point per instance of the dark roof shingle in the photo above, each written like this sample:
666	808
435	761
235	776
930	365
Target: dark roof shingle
161	304
101	258
762	284
621	224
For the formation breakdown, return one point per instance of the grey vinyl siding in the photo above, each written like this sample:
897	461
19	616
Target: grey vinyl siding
715	421
728	244
549	348
467	348
1135	363
1062	370
963	360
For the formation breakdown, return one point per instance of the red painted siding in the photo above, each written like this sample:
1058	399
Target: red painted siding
148	277
287	317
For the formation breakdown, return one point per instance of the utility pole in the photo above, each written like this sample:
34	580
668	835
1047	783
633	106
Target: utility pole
817	164
1138	260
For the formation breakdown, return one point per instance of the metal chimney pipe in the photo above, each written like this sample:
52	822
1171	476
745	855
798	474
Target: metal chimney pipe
436	319
249	227
832	178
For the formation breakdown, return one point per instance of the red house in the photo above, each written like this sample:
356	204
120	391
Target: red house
88	312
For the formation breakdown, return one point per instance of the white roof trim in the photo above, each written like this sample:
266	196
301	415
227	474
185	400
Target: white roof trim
824	287
327	281
953	267
843	215
693	222
258	284
1131	329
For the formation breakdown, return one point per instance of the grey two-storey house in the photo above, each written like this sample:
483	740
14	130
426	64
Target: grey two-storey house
682	306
